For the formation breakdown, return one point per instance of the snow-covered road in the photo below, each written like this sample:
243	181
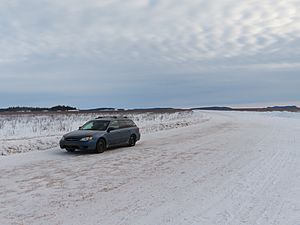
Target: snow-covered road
235	168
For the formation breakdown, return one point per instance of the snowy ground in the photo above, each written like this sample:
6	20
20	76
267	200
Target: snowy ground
232	168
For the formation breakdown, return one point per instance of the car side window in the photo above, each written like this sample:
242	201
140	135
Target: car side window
130	123
100	125
114	124
123	124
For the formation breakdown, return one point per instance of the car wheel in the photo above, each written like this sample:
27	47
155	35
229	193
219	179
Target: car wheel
101	146
132	141
70	149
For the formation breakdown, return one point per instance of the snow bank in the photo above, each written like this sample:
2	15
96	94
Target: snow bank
28	132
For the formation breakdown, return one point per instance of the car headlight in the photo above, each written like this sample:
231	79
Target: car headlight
86	139
63	138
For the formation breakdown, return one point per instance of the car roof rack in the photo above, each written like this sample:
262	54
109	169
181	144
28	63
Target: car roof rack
111	117
101	117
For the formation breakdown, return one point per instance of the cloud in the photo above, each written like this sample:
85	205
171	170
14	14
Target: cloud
140	40
159	31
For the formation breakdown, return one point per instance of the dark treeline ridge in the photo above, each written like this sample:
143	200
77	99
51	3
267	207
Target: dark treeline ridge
136	110
37	109
63	108
266	109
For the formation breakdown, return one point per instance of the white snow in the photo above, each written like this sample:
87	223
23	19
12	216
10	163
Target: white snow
231	168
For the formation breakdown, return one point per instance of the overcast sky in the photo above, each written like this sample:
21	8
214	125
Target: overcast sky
148	53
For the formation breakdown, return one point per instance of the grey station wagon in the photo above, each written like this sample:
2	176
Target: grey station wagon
102	133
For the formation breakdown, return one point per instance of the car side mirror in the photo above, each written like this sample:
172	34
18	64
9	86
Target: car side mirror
110	129
79	128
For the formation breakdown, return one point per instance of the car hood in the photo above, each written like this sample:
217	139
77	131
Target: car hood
83	133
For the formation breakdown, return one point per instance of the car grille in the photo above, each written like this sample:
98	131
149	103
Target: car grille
72	139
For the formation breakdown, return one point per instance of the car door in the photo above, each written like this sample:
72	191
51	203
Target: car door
124	131
114	137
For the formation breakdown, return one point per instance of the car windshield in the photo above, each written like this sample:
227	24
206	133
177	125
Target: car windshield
95	125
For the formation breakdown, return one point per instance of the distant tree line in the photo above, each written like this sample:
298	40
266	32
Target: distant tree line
37	109
291	108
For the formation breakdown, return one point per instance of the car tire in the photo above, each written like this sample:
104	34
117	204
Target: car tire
101	146
132	141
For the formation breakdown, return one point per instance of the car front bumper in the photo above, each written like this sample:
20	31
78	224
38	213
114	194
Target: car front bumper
81	145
